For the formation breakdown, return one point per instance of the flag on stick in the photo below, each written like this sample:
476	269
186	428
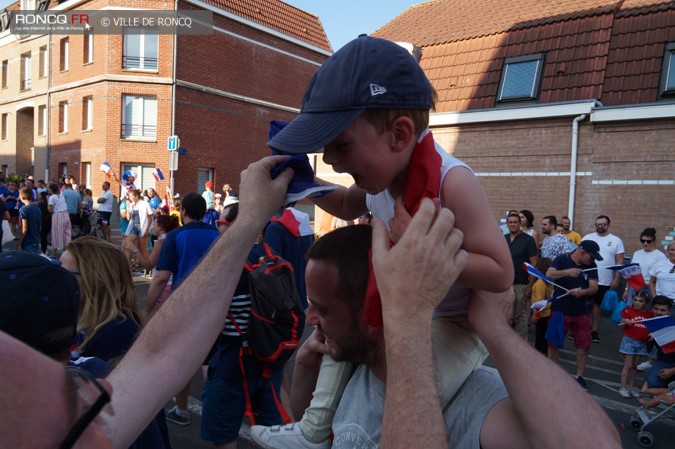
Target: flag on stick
663	330
631	273
157	173
538	274
105	168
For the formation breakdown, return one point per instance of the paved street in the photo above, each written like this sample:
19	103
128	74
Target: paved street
602	374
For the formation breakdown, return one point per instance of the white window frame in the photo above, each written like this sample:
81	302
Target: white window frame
64	62
88	49
42	120
63	117
533	95
140	61
141	127
4	126
43	62
87	113
26	79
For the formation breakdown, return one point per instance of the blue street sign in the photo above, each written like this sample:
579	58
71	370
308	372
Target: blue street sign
173	143
182	151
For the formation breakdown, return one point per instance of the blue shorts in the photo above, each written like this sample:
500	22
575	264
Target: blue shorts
224	404
135	230
631	346
652	378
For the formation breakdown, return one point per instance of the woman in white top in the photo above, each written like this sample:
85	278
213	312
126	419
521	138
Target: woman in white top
647	257
662	281
140	220
56	205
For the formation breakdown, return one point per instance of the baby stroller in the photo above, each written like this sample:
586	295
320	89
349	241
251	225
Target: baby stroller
642	417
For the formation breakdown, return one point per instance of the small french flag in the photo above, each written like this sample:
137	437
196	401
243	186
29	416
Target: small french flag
663	330
105	168
157	173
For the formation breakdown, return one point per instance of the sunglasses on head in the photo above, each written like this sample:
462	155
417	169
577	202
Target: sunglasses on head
646	241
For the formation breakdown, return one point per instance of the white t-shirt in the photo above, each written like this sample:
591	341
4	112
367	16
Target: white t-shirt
665	278
106	206
58	202
647	260
610	245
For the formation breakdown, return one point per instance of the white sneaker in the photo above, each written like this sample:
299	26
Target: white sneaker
644	366
288	436
624	392
635	392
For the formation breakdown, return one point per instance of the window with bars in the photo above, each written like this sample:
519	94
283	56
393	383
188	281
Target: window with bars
140	49
26	69
139	117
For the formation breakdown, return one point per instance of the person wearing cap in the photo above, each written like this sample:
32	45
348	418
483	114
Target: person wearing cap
576	276
218	202
208	194
367	110
612	251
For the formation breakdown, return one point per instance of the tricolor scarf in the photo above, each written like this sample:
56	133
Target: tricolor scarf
295	222
423	180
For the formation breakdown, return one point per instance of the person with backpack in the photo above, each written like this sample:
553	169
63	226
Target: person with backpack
238	383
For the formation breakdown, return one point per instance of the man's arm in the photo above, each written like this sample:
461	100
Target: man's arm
22	232
419	270
176	340
346	203
540	392
618	260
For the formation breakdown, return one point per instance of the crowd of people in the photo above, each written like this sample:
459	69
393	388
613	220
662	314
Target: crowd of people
414	301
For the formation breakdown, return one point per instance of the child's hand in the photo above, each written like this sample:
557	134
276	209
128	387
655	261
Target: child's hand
399	223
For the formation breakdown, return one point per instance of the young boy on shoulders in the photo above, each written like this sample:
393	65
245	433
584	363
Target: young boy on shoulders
367	110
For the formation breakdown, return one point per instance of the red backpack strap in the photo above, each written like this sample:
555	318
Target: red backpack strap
267	373
236	326
249	408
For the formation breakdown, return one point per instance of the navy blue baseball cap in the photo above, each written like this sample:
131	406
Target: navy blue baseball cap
367	73
38	298
591	248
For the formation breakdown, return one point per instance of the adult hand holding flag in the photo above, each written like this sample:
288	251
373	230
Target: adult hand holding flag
663	330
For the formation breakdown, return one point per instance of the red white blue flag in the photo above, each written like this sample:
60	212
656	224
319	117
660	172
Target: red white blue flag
157	173
631	273
105	168
663	330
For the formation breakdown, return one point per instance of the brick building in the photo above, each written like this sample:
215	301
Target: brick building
563	108
117	98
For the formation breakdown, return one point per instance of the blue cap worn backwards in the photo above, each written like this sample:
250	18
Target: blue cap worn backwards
367	73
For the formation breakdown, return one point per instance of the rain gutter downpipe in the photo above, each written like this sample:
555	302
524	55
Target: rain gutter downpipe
573	166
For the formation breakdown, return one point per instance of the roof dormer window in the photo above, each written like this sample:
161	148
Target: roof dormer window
667	84
521	78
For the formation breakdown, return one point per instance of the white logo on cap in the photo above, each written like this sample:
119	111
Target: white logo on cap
376	89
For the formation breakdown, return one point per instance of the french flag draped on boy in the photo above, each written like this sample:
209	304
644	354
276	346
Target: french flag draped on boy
663	330
631	273
157	173
106	168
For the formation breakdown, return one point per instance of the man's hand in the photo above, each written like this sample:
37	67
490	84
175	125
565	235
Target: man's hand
415	275
312	350
260	195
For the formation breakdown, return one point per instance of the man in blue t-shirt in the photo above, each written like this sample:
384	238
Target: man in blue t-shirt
577	274
183	249
73	202
30	223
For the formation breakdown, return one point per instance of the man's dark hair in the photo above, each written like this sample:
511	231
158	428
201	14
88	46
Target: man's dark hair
551	219
513	214
194	206
68	186
599	217
347	249
662	301
565	217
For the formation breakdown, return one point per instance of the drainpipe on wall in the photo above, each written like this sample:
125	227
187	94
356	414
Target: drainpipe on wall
173	98
48	107
573	166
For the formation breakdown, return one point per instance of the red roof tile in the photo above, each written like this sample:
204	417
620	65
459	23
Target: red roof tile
279	16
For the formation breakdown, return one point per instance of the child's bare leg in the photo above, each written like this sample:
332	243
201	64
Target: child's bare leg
627	362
